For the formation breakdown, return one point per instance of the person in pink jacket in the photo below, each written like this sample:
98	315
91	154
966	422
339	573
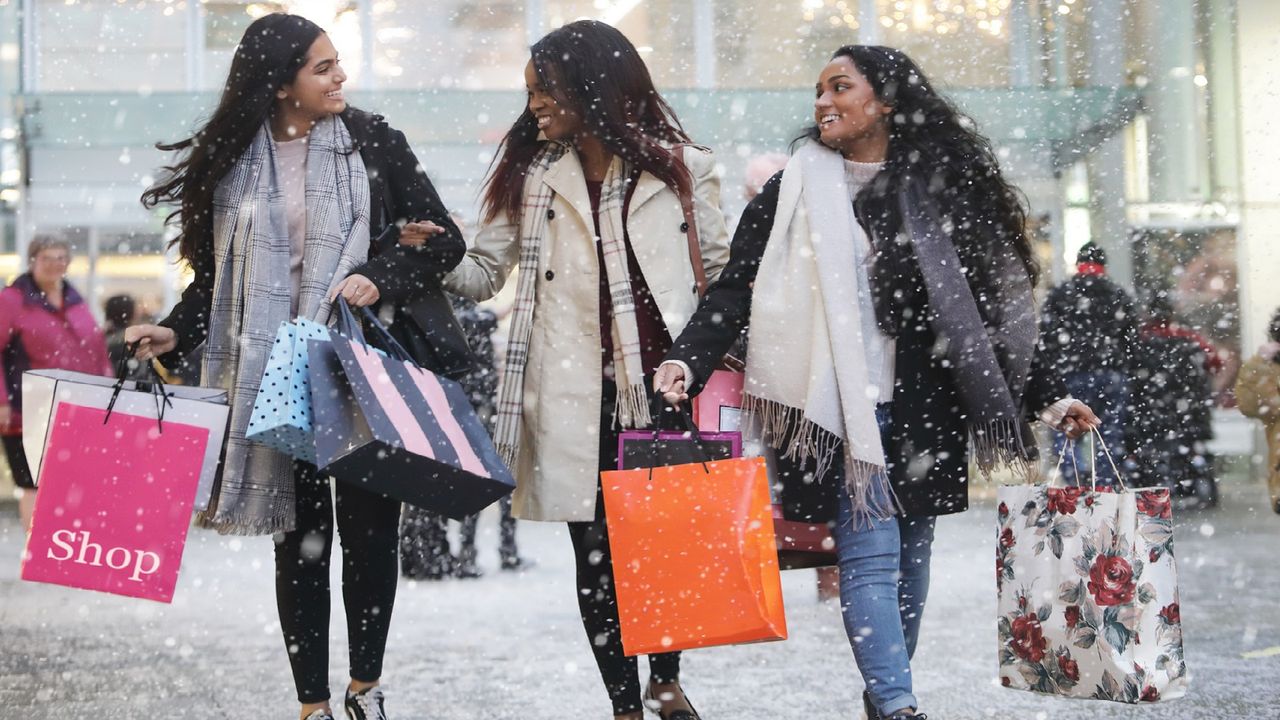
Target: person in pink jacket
44	323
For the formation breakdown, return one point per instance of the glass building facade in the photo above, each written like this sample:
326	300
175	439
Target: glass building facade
1117	118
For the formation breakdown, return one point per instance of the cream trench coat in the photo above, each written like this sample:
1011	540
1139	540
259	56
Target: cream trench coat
557	469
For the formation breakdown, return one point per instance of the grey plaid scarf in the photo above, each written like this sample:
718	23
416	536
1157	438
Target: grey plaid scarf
632	406
251	298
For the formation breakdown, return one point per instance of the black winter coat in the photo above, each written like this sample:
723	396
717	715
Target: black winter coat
928	452
408	278
1089	323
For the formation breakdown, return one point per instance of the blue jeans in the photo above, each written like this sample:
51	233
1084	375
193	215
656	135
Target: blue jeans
1106	392
884	581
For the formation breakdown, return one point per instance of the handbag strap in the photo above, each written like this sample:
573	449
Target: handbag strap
690	224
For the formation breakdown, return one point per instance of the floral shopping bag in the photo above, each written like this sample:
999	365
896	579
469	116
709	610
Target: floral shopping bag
1088	593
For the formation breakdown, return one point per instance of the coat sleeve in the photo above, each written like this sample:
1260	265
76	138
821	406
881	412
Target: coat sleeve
1258	389
189	319
10	305
725	310
713	236
404	273
485	268
1044	387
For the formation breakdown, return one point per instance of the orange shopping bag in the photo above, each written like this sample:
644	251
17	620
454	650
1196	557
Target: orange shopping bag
694	557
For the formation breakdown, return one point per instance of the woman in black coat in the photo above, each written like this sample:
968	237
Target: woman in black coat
886	280
288	199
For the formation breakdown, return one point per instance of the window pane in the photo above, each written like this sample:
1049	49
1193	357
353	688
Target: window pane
101	45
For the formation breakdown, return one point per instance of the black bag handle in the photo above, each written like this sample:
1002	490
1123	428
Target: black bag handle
156	387
351	327
656	407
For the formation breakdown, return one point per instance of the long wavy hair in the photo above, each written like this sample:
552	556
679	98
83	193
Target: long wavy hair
593	69
933	143
272	51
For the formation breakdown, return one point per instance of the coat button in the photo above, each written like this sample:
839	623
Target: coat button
551	214
684	227
550	275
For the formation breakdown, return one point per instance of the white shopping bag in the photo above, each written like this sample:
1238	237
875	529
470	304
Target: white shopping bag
1088	592
43	390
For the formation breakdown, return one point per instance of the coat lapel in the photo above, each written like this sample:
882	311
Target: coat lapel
646	187
566	179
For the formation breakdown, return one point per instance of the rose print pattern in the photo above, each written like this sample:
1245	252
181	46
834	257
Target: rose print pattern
1088	594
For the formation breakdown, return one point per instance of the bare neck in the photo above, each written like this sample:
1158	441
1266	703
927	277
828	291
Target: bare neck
287	123
871	148
594	156
52	291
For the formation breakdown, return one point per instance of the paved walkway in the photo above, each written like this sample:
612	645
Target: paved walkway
511	647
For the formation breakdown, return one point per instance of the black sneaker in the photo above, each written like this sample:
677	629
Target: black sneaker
907	715
320	714
366	705
520	564
869	707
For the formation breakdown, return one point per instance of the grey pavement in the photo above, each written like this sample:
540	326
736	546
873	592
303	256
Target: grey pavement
510	646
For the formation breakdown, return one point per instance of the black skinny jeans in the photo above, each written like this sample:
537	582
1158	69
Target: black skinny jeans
597	600
368	524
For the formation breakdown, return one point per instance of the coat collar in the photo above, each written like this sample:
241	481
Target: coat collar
31	294
566	178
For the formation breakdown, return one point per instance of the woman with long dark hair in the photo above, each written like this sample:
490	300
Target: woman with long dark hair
612	217
277	193
886	278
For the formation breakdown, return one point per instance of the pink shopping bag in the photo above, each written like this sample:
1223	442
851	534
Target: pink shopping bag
115	502
718	408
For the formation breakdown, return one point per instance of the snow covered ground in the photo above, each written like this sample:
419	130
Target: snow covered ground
510	646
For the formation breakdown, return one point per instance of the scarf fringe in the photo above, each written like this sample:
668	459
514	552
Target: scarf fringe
243	527
997	443
632	407
787	430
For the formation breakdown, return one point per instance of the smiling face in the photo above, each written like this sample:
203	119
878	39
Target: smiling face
846	108
555	118
316	91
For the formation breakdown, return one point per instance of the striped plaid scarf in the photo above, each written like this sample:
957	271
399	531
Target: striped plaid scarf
632	408
252	297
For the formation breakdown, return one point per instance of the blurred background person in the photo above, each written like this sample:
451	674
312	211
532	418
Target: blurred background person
1088	326
1258	392
119	312
44	324
424	536
1171	399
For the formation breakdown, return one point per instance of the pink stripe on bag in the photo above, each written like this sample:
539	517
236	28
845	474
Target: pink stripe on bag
431	391
398	412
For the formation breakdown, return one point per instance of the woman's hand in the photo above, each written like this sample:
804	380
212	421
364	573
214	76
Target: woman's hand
1079	421
416	234
152	340
670	381
358	290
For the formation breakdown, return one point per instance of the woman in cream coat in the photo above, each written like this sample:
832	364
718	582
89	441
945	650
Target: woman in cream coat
586	199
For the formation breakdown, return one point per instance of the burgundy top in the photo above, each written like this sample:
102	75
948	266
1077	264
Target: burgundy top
655	339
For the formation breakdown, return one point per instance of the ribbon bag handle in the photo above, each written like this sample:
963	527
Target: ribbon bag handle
1068	448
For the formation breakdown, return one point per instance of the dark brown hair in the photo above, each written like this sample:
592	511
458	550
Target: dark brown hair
592	68
272	51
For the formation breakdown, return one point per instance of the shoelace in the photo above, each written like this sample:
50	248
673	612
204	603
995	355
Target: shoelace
370	703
